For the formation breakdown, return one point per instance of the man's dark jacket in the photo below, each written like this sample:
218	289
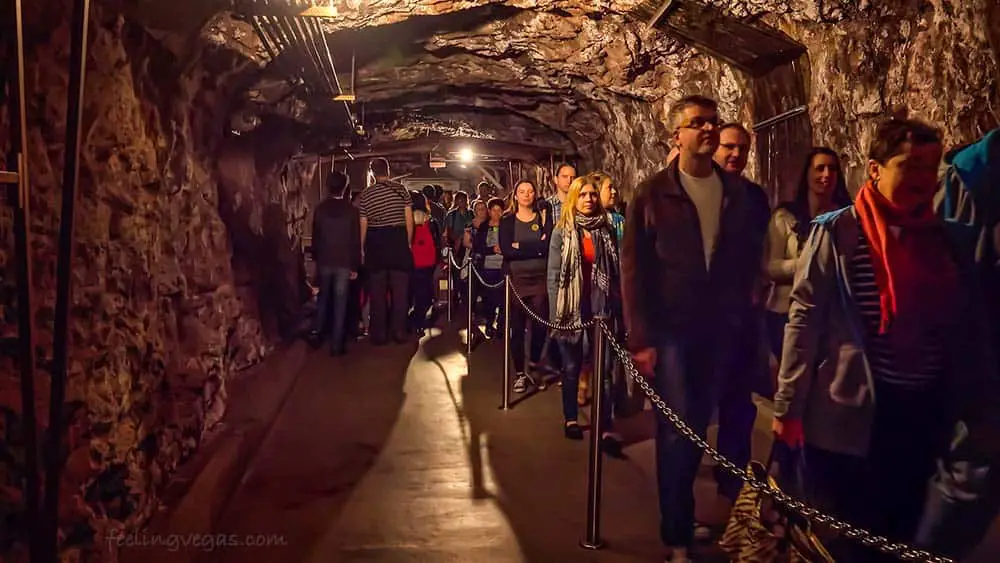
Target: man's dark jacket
336	235
666	287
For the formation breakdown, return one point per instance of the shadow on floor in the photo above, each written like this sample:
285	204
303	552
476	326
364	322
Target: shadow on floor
520	461
337	421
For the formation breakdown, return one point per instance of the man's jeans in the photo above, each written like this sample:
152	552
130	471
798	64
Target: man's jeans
689	378
334	289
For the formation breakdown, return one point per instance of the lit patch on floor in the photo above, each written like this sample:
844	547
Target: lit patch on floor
432	488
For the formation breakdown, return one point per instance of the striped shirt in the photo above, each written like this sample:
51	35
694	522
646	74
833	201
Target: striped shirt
877	348
384	205
556	205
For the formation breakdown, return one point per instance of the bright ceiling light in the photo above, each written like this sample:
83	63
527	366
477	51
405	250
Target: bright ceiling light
465	155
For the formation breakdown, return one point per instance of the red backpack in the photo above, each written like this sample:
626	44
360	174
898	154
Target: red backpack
424	253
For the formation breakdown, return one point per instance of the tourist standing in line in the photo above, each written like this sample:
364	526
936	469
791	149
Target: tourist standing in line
688	271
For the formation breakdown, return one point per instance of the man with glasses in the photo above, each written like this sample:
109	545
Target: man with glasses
688	270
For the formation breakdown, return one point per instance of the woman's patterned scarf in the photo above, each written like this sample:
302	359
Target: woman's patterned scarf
606	269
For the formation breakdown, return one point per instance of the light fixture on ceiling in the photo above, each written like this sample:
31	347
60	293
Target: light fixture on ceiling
466	155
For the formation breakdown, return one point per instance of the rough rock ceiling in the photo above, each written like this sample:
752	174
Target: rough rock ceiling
547	62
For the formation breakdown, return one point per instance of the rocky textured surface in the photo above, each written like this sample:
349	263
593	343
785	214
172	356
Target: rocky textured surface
937	60
163	312
592	73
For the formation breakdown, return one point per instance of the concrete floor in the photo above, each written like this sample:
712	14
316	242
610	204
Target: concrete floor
396	455
380	457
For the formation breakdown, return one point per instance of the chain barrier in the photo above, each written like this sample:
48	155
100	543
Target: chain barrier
900	550
479	277
545	323
465	261
883	544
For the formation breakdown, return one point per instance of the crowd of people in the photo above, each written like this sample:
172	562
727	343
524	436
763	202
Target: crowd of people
876	310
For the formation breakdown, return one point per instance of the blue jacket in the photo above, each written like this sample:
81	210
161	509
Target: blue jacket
825	380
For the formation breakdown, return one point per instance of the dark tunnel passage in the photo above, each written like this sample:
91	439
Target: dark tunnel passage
192	402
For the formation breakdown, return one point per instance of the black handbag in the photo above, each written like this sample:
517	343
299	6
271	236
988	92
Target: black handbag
963	498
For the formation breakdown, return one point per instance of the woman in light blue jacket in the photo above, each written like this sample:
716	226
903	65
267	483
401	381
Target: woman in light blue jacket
583	282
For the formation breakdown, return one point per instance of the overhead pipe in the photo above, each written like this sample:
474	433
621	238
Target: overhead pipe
325	56
263	38
329	59
290	43
309	45
302	51
267	29
275	35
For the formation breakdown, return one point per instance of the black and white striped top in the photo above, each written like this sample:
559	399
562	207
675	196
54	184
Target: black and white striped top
877	348
384	205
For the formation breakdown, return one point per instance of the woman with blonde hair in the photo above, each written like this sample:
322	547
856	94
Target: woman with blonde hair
584	276
609	201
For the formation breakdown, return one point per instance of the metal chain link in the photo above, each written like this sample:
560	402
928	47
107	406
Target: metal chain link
541	321
900	550
497	285
451	257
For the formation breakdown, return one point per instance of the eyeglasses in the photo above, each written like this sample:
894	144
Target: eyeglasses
734	146
700	123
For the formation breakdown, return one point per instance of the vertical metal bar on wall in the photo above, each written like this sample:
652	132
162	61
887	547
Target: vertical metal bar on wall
25	302
595	481
64	265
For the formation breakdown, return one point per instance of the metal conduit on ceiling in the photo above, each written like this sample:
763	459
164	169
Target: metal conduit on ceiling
293	31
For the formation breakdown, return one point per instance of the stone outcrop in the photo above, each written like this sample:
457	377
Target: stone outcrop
168	305
937	60
594	74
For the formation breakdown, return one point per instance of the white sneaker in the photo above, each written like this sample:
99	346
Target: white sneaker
521	383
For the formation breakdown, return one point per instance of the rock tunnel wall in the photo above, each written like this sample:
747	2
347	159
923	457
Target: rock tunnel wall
628	138
937	60
179	232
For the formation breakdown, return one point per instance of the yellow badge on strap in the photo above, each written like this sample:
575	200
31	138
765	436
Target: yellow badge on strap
534	226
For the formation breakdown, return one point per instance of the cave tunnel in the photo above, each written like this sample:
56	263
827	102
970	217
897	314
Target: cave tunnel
197	420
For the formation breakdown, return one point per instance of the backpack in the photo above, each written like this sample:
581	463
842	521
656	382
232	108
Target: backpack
424	249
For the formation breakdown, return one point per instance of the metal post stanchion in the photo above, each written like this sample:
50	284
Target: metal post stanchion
447	276
506	344
470	323
594	473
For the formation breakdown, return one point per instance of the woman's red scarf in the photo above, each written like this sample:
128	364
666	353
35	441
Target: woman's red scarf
916	275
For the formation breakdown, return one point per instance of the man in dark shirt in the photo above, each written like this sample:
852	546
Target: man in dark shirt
688	273
336	249
747	371
435	209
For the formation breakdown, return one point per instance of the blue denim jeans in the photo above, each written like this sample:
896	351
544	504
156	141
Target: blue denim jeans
573	356
689	376
334	289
